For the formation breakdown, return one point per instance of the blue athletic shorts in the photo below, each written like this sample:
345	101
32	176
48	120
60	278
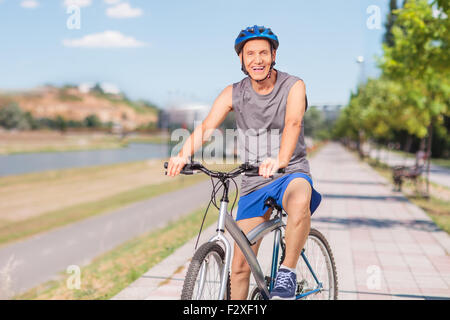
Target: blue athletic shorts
252	205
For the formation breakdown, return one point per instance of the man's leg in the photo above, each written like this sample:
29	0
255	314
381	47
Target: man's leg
296	201
240	270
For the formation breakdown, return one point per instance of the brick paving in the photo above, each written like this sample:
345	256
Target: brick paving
385	247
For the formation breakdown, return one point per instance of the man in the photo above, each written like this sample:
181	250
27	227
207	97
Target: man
267	99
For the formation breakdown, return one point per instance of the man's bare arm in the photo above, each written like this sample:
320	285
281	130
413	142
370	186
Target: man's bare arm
295	109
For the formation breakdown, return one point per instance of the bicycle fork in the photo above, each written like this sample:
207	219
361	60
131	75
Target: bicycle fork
226	221
221	238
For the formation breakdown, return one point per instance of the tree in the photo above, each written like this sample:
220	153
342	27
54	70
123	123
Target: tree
61	123
12	117
388	38
413	93
420	61
92	121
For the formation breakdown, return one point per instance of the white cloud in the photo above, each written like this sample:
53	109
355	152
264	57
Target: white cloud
111	1
107	39
78	3
29	4
123	10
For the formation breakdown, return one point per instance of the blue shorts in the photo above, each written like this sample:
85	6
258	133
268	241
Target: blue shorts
252	205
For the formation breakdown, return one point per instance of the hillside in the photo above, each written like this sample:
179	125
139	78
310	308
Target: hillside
74	104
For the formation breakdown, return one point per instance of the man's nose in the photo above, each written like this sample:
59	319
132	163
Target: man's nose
258	59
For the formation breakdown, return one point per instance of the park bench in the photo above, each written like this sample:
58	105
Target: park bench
399	173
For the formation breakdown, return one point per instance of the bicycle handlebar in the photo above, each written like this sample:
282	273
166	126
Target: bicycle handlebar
246	169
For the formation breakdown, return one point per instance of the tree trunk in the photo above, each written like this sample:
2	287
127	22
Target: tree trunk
359	144
430	140
408	143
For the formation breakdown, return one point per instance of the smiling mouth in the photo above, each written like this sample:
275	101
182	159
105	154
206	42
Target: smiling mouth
258	69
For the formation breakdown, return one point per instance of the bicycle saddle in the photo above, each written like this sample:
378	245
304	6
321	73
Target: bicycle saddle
271	203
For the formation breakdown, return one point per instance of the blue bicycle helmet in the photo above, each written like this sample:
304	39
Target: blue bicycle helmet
255	32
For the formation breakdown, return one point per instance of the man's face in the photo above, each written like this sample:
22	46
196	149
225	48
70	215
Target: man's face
257	58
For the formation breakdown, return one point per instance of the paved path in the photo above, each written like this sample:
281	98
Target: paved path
384	246
438	174
28	263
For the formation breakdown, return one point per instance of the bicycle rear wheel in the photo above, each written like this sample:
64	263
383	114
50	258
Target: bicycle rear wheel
321	260
203	277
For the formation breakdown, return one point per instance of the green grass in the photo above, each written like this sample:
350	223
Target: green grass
113	271
437	209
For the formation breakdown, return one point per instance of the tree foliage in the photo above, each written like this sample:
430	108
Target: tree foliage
413	92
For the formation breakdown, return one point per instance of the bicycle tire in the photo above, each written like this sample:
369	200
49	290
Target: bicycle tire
207	249
314	233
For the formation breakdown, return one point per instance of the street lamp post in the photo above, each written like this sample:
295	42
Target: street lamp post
360	61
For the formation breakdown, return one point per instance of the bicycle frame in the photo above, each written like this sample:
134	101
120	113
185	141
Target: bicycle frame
226	222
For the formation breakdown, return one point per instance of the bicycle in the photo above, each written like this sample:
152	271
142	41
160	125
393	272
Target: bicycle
208	275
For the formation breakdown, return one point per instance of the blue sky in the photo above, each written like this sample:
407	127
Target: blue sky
158	50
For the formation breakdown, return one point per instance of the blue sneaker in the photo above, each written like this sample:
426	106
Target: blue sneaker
285	285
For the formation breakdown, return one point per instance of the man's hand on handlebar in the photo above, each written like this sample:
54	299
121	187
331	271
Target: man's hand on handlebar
269	167
176	164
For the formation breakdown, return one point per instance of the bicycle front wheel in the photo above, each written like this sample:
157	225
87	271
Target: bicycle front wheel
204	274
321	260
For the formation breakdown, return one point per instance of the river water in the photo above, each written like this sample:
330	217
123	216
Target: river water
35	162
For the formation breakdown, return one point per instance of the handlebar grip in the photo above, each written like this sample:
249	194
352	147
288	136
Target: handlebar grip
186	169
256	172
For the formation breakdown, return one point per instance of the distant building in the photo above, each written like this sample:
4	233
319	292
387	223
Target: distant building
330	111
108	88
183	116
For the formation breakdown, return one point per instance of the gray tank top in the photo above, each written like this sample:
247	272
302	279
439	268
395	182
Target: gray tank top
260	124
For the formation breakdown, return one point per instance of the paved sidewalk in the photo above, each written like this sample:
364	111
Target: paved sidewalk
384	246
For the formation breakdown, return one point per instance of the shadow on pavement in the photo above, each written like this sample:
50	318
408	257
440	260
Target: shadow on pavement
365	197
420	225
351	182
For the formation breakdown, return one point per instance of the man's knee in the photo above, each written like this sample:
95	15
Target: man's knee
297	199
298	209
